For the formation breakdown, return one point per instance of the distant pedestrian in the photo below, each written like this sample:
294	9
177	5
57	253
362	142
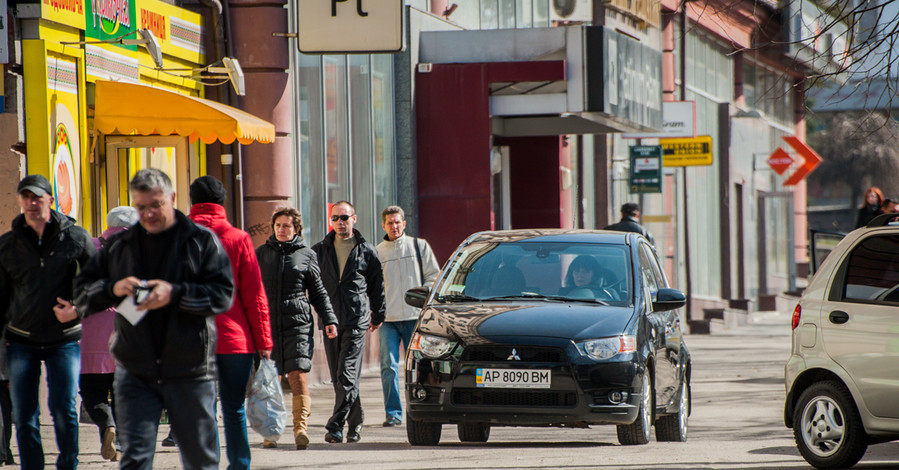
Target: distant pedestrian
164	348
293	281
630	221
871	206
407	262
242	331
351	273
97	363
39	259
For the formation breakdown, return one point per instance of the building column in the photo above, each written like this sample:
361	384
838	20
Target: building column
266	169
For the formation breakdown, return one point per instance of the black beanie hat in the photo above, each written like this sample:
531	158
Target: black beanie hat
207	189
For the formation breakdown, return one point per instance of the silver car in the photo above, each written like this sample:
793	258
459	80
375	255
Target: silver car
842	378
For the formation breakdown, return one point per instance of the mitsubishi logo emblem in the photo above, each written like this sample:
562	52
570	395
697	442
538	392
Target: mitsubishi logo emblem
513	356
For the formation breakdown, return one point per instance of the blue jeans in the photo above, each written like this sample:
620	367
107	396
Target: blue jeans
63	364
191	410
390	334
234	375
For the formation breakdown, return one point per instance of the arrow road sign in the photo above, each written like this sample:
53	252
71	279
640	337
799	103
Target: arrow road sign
812	160
780	160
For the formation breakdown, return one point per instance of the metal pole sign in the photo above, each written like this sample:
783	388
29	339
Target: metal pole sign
646	169
349	26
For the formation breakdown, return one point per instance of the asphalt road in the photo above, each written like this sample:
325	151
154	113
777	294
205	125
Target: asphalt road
736	424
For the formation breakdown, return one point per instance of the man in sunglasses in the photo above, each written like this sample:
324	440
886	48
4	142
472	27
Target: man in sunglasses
352	276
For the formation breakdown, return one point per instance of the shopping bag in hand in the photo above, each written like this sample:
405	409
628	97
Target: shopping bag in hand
265	402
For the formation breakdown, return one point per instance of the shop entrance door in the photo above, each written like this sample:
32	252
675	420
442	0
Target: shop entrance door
127	154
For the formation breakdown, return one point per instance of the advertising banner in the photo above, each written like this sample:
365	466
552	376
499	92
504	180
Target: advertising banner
646	169
695	151
179	31
65	12
65	135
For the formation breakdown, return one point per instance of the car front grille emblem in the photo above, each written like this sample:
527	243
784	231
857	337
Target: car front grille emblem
513	356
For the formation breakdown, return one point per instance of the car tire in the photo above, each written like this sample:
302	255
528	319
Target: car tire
827	427
638	432
673	428
473	432
423	433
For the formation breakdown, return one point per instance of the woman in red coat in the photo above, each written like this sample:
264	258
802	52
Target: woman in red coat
242	331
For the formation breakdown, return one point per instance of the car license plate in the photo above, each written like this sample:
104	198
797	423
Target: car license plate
513	378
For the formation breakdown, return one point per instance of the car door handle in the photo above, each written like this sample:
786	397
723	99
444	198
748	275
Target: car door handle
839	317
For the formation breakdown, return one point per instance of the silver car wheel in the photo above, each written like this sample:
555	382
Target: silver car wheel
647	407
822	426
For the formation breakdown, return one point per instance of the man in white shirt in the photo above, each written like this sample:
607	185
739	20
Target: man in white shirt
407	262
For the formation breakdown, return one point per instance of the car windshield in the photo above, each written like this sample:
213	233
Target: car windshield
553	271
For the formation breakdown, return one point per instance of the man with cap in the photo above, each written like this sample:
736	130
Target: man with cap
39	259
242	331
630	216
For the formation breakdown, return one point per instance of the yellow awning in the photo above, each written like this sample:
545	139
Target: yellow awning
126	108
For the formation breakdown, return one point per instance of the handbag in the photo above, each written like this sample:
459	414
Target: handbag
265	402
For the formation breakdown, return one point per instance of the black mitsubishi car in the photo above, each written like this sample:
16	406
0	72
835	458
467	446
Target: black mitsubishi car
563	328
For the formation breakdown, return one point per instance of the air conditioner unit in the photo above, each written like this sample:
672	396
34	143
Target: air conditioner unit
571	10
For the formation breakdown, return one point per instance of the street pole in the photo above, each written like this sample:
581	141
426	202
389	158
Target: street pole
683	97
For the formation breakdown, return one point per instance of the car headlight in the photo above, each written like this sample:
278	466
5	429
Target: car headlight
604	348
430	346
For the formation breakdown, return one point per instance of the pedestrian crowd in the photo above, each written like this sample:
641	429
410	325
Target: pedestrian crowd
165	315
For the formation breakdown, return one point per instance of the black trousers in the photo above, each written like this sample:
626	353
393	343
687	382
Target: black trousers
6	425
99	399
345	364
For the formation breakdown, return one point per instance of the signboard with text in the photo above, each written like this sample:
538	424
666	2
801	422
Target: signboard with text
346	26
646	169
693	151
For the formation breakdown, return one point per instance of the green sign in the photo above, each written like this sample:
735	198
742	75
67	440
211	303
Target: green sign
646	169
110	19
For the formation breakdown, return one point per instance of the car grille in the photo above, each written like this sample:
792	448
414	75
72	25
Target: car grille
522	398
504	354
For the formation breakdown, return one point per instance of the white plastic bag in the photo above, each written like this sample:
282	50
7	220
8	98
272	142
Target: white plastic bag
265	402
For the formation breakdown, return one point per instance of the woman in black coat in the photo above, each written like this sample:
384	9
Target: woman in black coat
870	206
292	279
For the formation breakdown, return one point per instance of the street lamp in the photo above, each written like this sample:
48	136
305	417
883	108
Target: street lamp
147	39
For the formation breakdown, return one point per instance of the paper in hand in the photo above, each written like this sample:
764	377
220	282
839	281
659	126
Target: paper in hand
128	309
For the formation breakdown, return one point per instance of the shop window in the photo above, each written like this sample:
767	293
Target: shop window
337	174
384	135
311	144
361	145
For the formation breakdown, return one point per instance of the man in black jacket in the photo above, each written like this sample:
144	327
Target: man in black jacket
39	259
352	276
630	216
179	277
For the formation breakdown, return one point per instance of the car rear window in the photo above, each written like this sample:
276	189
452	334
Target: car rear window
872	271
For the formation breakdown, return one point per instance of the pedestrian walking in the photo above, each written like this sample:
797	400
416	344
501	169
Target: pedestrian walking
871	206
241	332
97	363
176	277
630	221
353	279
39	259
292	282
406	262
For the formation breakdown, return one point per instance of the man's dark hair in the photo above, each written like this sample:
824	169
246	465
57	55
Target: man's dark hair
630	209
390	210
294	215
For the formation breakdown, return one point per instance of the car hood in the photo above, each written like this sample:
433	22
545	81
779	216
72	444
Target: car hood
497	322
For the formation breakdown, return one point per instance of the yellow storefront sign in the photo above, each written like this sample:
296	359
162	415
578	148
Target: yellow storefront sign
691	151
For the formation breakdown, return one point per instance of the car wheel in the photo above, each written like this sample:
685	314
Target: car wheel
673	428
638	433
473	432
423	433
827	427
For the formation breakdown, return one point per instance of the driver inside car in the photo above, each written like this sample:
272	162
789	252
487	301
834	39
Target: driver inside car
586	278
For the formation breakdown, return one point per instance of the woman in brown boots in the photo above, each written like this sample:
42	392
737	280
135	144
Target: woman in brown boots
292	279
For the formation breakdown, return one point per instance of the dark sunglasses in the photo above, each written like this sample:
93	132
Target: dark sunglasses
344	217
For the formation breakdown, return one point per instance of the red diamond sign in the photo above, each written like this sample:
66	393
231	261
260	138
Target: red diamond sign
780	160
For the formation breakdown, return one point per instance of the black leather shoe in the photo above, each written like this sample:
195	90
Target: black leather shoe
334	437
392	421
354	434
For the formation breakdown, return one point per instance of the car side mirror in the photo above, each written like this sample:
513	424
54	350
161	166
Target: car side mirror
416	296
668	299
